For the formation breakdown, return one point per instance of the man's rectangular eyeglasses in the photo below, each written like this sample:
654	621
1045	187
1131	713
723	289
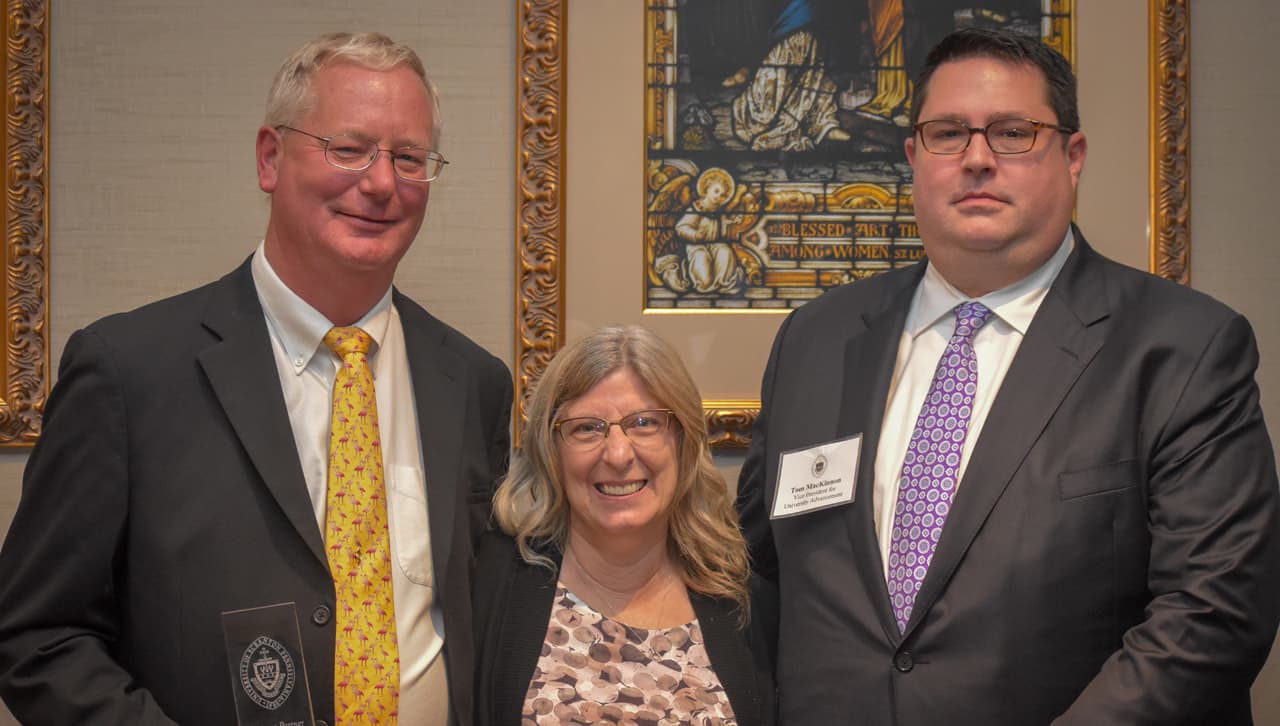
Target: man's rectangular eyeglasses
643	428
352	153
1005	136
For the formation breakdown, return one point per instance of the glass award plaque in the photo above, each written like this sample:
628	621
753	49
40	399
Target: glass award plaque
268	671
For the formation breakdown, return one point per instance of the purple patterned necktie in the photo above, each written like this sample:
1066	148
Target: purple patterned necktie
933	459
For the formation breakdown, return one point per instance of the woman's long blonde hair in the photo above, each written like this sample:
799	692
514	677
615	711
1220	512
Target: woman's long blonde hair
704	539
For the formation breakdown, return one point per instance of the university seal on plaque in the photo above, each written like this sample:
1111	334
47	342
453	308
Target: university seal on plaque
268	667
267	673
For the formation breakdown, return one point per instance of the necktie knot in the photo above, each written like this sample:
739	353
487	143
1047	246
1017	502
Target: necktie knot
348	341
970	317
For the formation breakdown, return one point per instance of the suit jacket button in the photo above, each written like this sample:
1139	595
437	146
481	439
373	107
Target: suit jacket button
321	615
904	662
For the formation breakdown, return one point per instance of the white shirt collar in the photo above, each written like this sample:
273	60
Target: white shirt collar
1015	304
300	327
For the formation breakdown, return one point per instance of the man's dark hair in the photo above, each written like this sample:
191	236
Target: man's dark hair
1012	48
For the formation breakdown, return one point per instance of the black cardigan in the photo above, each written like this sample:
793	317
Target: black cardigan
512	605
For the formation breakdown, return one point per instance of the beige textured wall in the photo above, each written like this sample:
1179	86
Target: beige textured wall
155	103
1235	101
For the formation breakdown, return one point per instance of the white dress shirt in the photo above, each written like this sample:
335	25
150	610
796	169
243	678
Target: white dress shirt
307	369
930	323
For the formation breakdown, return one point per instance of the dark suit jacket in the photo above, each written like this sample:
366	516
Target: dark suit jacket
166	489
513	602
1111	556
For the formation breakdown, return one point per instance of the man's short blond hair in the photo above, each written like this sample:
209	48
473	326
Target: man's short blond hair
290	97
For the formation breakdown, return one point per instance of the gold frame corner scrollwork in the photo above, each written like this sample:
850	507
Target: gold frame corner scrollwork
26	217
540	190
729	422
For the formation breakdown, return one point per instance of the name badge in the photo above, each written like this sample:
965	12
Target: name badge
819	477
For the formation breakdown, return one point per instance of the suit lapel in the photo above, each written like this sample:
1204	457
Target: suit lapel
1062	340
869	361
242	371
439	392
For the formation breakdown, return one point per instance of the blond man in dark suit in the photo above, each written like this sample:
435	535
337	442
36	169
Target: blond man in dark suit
185	470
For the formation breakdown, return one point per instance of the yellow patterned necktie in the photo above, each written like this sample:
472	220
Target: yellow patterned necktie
366	667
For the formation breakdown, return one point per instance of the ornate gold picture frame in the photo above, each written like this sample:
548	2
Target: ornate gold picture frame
540	189
26	222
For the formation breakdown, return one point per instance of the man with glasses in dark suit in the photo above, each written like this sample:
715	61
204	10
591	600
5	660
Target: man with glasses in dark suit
1046	493
261	494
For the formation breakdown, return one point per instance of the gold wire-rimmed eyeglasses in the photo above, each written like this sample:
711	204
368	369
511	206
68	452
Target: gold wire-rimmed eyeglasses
643	428
353	153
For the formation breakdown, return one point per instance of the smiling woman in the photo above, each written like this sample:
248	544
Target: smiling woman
619	563
618	487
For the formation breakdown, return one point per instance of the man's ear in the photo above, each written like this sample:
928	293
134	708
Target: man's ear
270	147
1077	149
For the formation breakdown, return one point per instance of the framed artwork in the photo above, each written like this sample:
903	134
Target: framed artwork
700	170
773	135
25	361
